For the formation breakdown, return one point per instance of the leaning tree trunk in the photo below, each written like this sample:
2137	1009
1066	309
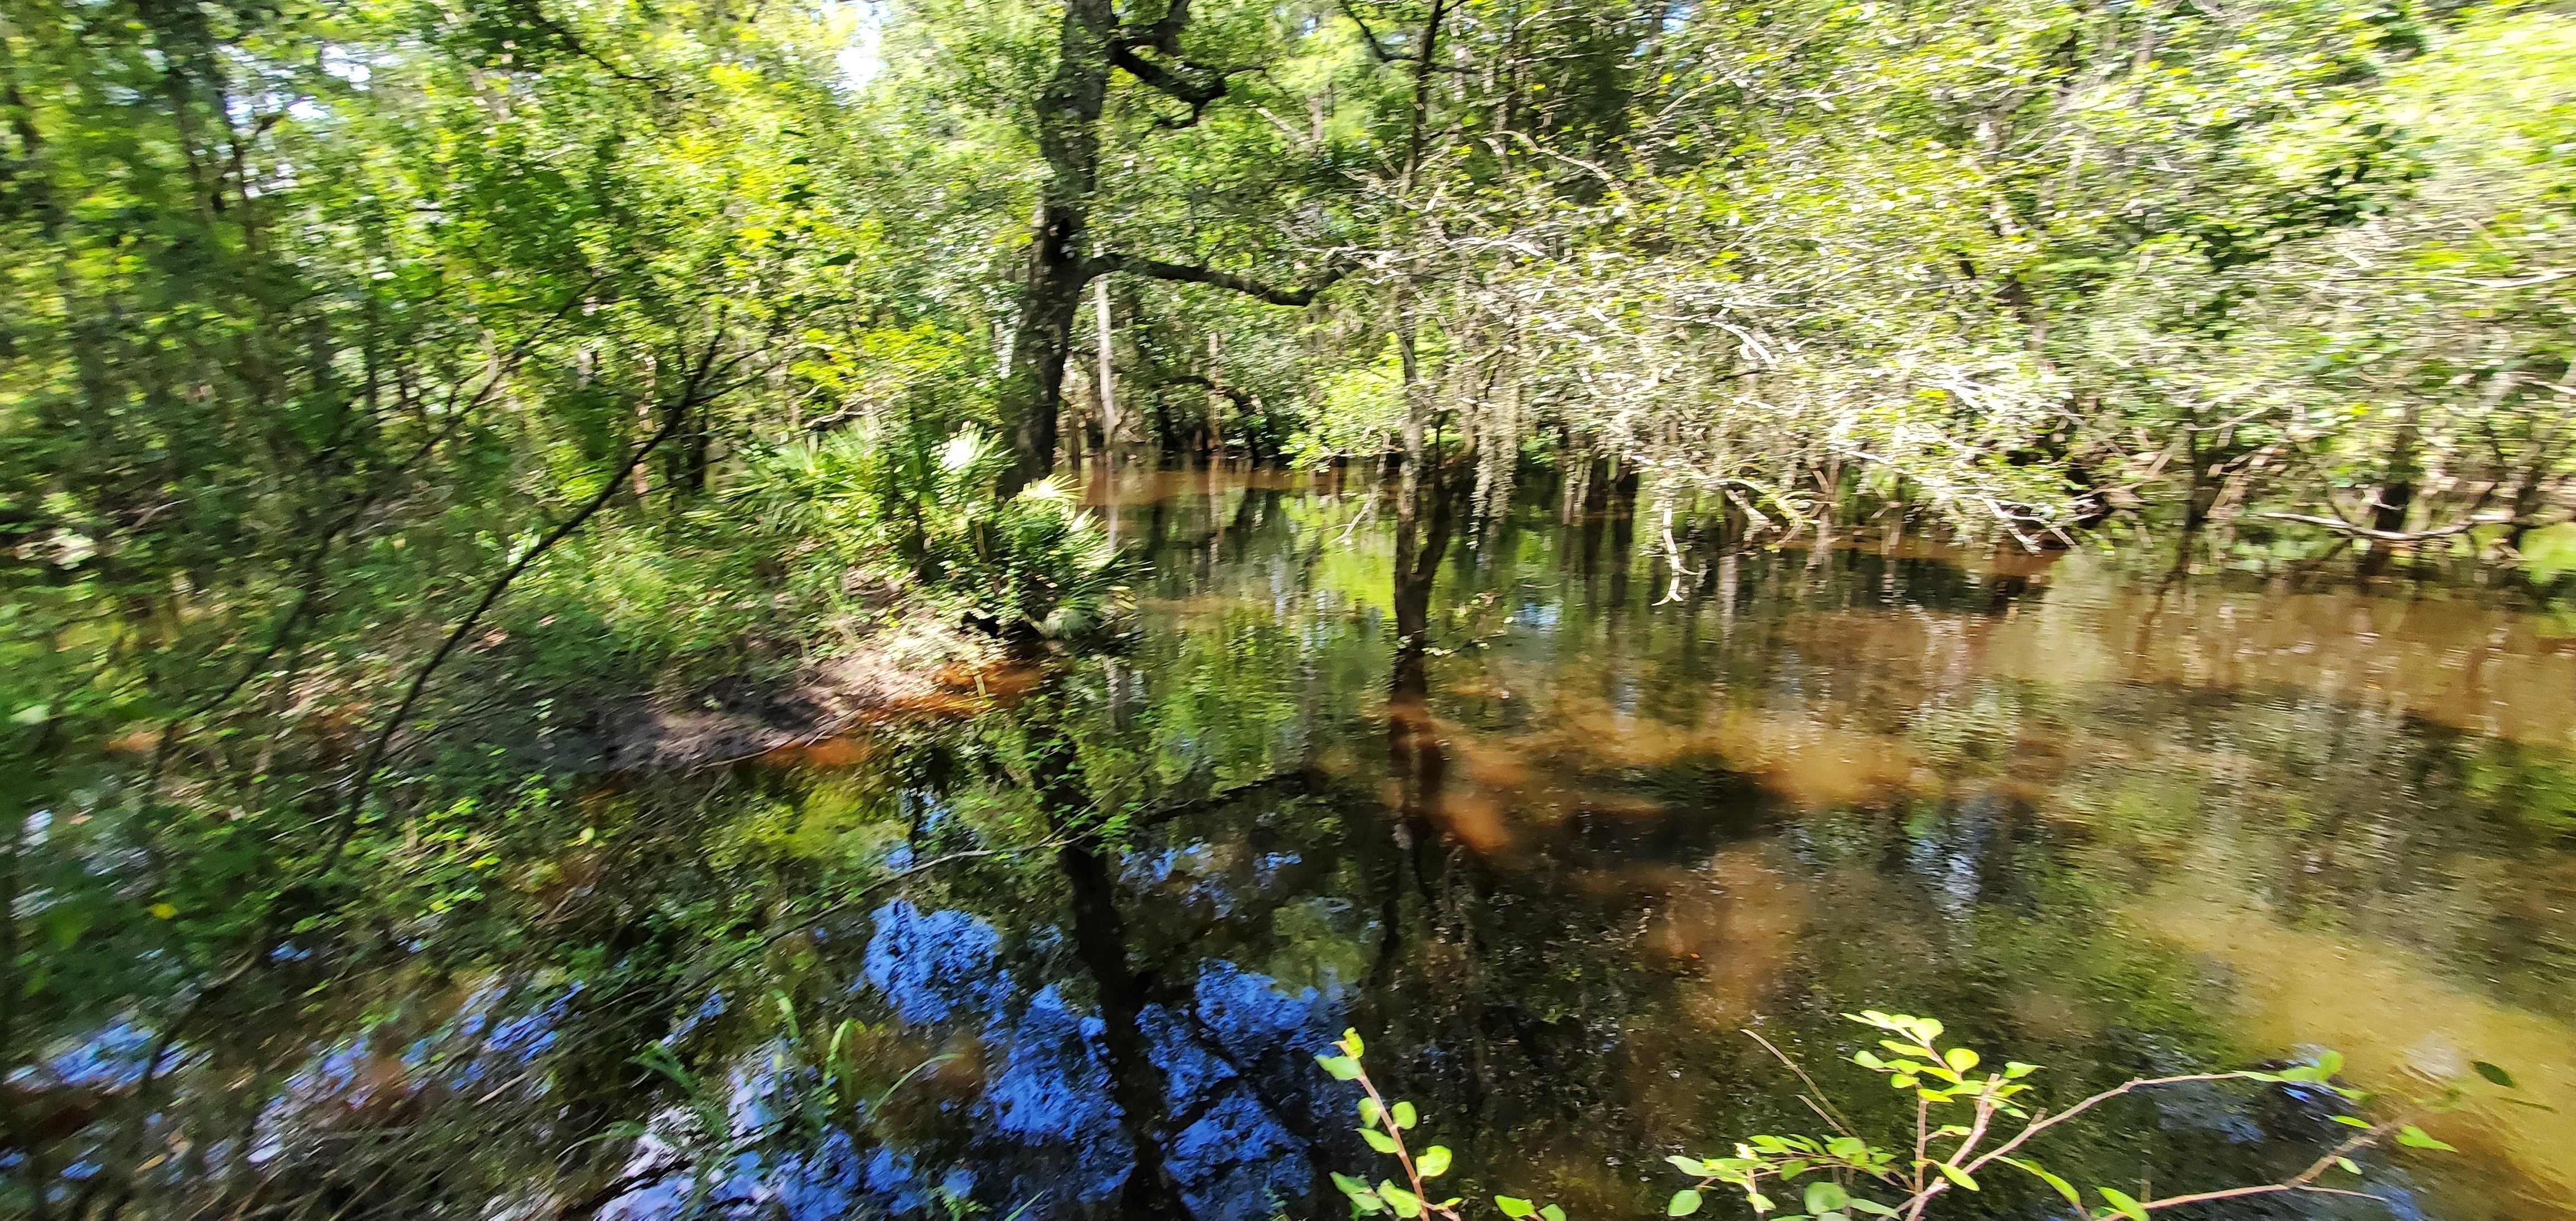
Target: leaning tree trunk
1068	121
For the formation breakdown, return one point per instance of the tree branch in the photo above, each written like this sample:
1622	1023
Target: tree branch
1165	34
2391	536
535	16
363	779
1198	86
1375	47
1102	264
1378	51
1198	94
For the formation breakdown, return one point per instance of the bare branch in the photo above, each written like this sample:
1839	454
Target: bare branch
1375	47
1379	52
2340	526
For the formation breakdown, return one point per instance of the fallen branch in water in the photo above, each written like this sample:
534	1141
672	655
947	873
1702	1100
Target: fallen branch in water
2340	526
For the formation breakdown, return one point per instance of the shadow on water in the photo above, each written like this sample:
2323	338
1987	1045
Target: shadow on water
1553	825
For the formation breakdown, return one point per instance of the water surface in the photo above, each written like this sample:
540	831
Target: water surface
1555	866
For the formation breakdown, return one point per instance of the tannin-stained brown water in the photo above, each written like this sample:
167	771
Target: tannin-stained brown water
1555	866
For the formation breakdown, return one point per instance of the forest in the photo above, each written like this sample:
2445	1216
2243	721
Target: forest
453	451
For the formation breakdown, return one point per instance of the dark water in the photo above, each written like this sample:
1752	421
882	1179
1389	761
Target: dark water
1555	867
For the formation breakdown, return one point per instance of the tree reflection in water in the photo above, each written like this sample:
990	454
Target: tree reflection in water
1609	832
1552	838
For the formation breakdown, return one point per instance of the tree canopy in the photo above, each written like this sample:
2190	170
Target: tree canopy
384	379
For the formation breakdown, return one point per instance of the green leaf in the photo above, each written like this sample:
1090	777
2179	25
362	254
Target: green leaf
2123	1203
2350	1121
1551	1213
2348	1167
1405	1115
1434	1162
1378	1140
2493	1073
2034	1170
1343	1068
1688	1165
2016	1070
1955	1175
1826	1197
1514	1207
1872	1207
1684	1203
1351	1043
1760	1202
1405	1203
1370	1112
1959	1059
2414	1138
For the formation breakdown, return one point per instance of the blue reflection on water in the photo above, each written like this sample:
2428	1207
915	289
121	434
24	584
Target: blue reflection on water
1045	1130
929	965
1235	1158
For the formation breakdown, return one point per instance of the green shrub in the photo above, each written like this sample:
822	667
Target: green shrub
1029	562
1967	1123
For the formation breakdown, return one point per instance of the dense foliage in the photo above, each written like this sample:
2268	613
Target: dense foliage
396	396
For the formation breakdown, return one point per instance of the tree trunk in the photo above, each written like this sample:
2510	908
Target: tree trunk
2396	494
1108	377
1061	263
1068	122
1412	618
1215	408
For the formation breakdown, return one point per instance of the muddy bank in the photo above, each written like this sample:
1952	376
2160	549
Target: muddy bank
917	673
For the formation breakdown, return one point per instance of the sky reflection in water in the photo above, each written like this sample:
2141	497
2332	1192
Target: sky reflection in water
2109	826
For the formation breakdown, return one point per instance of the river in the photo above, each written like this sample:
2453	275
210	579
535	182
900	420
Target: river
1556	866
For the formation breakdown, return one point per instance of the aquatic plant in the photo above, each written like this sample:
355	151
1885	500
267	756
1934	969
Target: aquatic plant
1965	1122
